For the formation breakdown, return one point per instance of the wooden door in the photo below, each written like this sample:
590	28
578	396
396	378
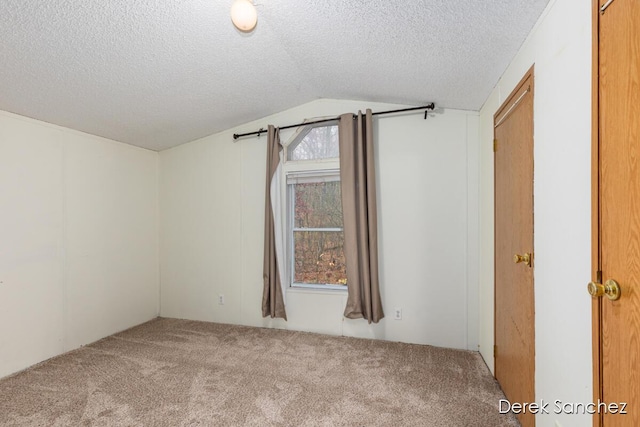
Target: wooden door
617	212
514	303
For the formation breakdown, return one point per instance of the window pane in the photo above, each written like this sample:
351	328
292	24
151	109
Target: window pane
319	257
317	205
320	143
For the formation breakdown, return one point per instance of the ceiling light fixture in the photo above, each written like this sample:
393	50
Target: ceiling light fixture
244	15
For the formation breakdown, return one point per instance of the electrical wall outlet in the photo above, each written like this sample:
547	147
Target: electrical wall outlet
397	313
221	299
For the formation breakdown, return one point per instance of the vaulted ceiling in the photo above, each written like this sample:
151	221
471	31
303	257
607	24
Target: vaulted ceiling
159	73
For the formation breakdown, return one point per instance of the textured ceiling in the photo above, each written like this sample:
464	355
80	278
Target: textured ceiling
159	73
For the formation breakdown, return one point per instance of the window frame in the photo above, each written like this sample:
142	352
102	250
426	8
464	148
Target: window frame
322	175
309	169
301	135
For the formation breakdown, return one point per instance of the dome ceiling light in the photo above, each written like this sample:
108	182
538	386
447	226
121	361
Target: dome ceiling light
244	15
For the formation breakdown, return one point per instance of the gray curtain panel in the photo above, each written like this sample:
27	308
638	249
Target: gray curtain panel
358	186
272	298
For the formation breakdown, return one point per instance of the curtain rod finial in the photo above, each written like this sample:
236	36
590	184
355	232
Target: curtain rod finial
428	107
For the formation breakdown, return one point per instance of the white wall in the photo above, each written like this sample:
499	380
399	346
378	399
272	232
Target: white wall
212	202
560	47
79	239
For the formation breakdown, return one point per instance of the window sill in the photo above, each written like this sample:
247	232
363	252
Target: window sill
297	290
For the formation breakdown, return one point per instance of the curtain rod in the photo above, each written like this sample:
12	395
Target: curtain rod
431	106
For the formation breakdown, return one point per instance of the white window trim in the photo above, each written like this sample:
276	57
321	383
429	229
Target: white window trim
310	168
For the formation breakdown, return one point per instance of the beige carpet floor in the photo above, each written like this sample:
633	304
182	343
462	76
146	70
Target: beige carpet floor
171	372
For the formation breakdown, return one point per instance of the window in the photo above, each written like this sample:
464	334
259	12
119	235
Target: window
315	142
315	238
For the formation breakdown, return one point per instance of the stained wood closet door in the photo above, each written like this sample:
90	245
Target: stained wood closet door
618	191
514	296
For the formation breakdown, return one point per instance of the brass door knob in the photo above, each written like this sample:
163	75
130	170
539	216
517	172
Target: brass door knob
526	258
610	288
595	289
